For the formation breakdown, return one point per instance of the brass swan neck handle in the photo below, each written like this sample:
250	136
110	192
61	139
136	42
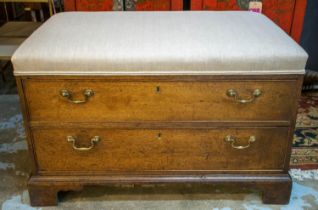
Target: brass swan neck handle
94	140
234	94
69	96
232	140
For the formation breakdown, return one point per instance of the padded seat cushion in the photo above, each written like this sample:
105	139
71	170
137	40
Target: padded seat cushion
151	43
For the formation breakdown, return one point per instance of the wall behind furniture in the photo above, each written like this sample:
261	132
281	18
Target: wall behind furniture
282	12
106	5
309	39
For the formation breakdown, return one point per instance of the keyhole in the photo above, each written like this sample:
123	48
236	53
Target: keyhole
159	136
158	89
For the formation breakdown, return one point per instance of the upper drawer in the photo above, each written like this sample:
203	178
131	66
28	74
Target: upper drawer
160	101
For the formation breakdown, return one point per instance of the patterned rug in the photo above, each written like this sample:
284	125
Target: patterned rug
305	143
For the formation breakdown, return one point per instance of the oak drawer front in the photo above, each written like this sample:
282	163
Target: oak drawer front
159	101
160	150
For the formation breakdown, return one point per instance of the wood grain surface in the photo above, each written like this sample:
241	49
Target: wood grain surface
138	150
158	101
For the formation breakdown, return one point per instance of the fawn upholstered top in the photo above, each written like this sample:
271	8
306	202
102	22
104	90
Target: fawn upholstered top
150	43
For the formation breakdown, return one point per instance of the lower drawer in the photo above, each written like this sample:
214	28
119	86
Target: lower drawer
135	150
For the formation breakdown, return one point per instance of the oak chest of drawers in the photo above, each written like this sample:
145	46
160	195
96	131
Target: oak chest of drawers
175	98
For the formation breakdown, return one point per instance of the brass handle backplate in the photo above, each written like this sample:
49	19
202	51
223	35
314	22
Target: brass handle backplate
69	97
232	140
234	94
94	140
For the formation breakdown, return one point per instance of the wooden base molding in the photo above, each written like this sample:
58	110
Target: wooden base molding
275	188
46	194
